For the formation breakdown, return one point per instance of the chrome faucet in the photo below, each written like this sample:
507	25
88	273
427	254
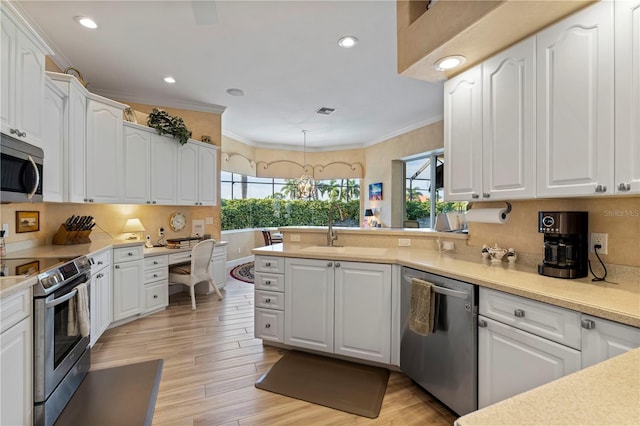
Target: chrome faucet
331	235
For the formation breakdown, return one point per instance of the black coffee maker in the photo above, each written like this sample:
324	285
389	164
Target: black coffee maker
566	246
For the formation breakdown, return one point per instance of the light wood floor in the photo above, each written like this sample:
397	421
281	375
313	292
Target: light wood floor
212	360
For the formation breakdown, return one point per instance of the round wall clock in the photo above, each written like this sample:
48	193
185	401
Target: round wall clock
177	221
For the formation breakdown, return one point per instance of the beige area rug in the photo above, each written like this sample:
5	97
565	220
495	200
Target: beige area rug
342	385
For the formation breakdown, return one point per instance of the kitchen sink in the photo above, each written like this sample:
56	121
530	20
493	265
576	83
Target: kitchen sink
372	251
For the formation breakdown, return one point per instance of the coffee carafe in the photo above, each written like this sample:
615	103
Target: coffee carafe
566	247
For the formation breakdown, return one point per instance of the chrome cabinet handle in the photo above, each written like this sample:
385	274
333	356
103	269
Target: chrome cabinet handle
99	276
267	325
130	254
99	262
519	313
267	263
588	324
486	195
482	323
267	282
601	188
117	266
475	196
155	275
337	264
155	296
624	187
329	264
267	300
155	262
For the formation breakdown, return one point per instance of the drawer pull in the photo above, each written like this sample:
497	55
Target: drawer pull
267	282
155	262
329	264
155	275
117	266
155	296
482	323
337	264
519	313
267	325
267	300
99	276
267	263
588	324
99	262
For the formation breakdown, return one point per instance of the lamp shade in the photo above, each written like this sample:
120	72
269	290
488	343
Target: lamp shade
133	225
368	212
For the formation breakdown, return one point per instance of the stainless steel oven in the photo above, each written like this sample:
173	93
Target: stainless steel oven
61	323
20	171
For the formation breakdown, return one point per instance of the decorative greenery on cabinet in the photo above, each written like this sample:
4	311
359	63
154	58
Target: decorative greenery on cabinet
168	124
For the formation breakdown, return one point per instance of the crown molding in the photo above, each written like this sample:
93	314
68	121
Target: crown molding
404	130
151	100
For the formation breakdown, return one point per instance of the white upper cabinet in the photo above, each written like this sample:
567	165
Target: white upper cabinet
197	174
150	169
53	145
575	115
508	123
104	150
22	75
463	135
627	107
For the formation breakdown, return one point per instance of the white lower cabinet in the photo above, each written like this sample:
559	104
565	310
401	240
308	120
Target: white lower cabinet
603	339
16	359
218	266
511	361
100	298
156	283
339	307
269	298
127	282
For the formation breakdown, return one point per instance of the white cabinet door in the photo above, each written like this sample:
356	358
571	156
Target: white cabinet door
188	175
22	75
53	187
127	289
309	298
218	266
208	172
100	303
164	169
363	311
575	115
136	161
603	339
463	136
511	361
508	122
16	366
104	153
627	108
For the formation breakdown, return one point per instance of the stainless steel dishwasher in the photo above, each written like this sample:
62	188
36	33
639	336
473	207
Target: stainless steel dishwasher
445	362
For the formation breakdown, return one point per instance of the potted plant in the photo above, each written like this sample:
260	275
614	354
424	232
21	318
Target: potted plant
170	125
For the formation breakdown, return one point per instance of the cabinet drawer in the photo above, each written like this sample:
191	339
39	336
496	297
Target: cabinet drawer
269	299
156	262
153	275
125	254
181	257
544	320
269	325
100	260
156	295
272	282
14	309
272	264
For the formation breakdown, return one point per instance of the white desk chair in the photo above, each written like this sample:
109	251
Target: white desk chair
197	271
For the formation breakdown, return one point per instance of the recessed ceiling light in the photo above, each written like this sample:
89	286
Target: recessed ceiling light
449	62
86	22
325	110
235	92
169	80
348	41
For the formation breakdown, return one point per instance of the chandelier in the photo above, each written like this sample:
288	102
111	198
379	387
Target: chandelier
306	184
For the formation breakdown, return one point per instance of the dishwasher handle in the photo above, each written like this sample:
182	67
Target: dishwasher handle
442	290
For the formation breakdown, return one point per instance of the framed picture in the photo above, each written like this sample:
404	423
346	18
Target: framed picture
375	191
27	221
28	268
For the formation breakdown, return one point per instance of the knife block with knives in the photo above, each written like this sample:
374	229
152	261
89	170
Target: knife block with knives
75	230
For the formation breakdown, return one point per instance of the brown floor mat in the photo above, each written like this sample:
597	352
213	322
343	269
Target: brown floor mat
124	395
334	383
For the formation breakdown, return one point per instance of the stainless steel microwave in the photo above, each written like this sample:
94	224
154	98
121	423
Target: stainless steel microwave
21	171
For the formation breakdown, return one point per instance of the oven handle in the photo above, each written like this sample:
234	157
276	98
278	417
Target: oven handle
35	186
442	290
56	302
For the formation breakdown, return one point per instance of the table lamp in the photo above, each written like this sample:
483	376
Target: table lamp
134	227
368	213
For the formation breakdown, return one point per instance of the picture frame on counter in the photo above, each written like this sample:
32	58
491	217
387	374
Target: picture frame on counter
27	221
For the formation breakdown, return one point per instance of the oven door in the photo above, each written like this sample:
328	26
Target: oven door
58	342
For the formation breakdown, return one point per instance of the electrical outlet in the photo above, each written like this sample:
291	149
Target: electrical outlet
448	245
602	239
295	238
404	242
161	232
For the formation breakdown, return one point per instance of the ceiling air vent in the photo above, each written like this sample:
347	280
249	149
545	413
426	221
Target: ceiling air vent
325	111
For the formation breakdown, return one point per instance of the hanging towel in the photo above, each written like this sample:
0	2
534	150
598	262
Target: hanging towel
82	309
421	314
72	319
